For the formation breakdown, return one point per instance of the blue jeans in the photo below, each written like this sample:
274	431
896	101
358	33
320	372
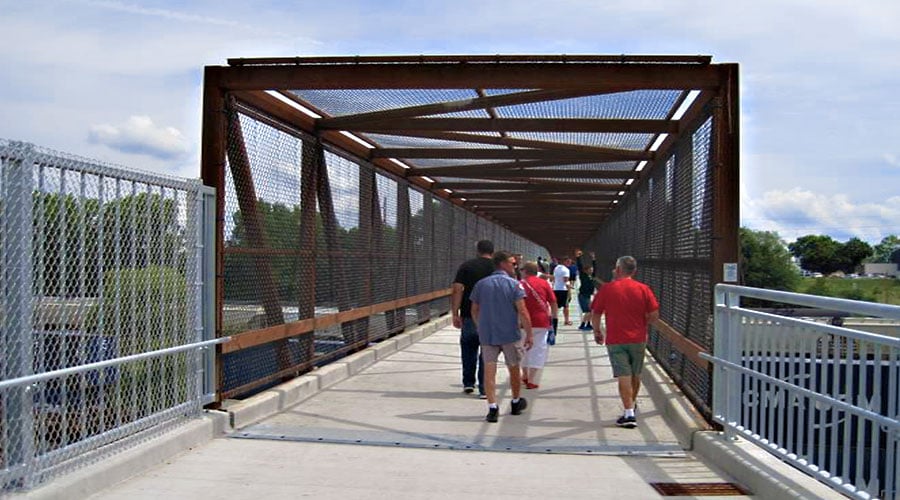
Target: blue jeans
471	357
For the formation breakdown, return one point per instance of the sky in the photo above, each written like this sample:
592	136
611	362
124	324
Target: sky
120	81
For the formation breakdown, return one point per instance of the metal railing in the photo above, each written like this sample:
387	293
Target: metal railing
823	398
104	309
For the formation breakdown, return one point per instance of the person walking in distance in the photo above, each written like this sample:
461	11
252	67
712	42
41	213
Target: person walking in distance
498	308
469	273
561	289
587	278
541	304
630	306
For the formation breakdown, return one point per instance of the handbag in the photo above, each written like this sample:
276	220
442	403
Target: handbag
551	332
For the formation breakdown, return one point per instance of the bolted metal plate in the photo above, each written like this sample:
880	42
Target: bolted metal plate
452	442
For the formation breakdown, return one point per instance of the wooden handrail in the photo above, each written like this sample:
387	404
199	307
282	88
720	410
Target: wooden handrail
270	334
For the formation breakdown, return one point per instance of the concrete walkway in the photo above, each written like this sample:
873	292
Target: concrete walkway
402	428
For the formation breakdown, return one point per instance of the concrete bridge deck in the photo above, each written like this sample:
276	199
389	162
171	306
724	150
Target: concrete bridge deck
402	428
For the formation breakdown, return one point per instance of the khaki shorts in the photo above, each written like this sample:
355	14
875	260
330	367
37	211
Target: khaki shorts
627	360
513	353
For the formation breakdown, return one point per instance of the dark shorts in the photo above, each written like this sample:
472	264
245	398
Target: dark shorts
584	301
562	297
627	360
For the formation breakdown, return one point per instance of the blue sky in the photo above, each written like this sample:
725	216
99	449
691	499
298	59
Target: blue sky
120	80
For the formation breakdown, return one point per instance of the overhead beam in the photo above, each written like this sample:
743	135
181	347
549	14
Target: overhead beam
526	174
524	195
587	125
536	185
352	122
613	155
456	75
502	140
533	189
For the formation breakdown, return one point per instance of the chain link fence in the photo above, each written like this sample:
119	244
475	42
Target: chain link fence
102	309
324	253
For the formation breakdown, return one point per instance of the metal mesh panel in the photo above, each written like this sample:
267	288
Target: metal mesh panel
312	232
98	263
666	224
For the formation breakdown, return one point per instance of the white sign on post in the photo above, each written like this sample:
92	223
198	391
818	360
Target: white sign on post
731	272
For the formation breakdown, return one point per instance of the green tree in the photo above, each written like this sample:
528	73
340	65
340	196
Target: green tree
766	262
852	253
817	253
887	251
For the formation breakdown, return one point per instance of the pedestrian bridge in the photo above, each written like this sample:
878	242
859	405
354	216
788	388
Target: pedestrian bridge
338	196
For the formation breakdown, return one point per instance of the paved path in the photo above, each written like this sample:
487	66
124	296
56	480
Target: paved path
402	428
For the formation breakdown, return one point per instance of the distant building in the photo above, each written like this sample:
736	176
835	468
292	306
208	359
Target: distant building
881	269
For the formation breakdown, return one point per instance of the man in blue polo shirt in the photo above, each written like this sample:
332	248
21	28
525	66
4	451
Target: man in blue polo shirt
498	308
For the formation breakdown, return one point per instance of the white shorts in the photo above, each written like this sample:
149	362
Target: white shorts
537	355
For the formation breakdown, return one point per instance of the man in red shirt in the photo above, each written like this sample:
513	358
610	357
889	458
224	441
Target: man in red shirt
629	306
541	304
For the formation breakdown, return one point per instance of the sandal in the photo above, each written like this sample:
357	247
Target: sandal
531	386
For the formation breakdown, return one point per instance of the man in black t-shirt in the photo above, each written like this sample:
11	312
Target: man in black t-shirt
469	273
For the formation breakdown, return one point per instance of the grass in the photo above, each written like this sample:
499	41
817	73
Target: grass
885	291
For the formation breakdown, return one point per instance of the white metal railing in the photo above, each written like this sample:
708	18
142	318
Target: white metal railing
823	398
106	277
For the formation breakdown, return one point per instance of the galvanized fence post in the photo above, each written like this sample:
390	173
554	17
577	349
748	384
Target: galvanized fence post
17	310
207	223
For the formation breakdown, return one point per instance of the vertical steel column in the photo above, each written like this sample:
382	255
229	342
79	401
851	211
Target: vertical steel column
404	257
307	265
428	258
726	173
245	190
212	171
330	226
368	208
17	333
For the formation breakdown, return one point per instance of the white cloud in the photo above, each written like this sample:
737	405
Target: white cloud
798	212
139	135
891	159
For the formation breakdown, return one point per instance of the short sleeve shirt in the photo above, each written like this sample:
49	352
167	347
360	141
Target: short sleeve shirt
538	297
626	303
469	273
498	318
560	277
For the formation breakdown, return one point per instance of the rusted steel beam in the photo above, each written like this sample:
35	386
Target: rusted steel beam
352	122
573	174
587	125
498	165
460	58
212	171
502	140
726	174
510	154
541	197
459	187
538	194
306	267
533	174
330	226
368	210
454	75
254	226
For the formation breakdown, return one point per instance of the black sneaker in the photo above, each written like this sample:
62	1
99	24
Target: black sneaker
468	390
492	415
627	422
516	408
